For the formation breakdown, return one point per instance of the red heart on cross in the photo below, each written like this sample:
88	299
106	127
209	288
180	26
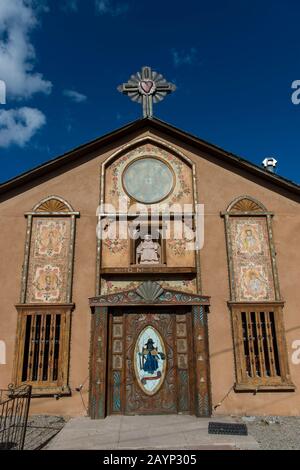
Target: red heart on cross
146	86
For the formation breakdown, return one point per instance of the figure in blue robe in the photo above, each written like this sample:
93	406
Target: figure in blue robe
150	352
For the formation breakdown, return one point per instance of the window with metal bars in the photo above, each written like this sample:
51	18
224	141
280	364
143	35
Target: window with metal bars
260	344
43	354
260	349
41	348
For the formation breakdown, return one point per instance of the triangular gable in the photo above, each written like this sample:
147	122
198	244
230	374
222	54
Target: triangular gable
155	124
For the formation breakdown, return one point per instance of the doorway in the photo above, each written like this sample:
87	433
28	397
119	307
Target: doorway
150	361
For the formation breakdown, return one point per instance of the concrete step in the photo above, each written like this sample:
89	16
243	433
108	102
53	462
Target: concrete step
178	432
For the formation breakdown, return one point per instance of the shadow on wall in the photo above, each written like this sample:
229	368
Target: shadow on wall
294	344
258	407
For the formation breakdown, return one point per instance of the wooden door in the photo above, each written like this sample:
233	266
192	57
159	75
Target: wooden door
150	362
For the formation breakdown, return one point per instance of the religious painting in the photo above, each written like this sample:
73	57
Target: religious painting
251	257
249	238
50	237
253	283
49	260
47	283
150	360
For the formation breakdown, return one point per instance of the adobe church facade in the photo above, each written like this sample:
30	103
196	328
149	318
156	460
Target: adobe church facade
98	299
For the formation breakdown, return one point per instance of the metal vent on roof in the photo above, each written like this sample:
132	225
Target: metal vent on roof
270	164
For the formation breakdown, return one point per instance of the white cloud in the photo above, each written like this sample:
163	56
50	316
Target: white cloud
184	58
17	55
17	126
108	7
75	96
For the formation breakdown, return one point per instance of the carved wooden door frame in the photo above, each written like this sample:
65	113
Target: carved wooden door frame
176	391
148	294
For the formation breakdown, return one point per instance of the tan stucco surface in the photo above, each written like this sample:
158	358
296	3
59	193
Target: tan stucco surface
217	186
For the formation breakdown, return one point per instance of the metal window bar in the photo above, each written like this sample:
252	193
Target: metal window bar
246	345
251	345
260	344
45	372
41	347
265	347
257	365
56	347
275	355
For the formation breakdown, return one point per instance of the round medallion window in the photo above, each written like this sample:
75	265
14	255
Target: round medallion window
148	180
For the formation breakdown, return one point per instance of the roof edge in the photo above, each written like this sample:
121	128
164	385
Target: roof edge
138	124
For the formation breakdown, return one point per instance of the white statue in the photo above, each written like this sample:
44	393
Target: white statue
148	251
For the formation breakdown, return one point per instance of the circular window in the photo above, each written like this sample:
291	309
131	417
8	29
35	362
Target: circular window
148	180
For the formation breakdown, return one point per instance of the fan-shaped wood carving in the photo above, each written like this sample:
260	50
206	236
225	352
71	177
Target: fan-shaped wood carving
53	205
150	291
246	205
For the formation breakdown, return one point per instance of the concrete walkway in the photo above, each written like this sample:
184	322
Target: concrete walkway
146	432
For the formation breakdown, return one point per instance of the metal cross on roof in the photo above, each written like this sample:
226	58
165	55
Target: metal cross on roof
147	87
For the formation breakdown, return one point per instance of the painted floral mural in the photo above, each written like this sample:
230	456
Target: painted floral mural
252	267
49	260
110	287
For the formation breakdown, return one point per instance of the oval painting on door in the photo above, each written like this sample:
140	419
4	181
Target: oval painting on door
150	360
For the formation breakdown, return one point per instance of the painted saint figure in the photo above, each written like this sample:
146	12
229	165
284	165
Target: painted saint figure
254	284
50	238
149	357
249	240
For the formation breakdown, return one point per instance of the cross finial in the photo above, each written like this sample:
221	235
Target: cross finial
147	87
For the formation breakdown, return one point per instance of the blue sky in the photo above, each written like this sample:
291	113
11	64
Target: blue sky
233	62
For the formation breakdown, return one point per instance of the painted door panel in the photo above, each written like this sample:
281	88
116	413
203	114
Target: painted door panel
150	363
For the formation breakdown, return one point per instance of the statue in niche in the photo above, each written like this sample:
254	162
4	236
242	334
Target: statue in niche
148	251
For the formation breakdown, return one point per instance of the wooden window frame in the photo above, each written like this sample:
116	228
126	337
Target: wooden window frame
244	382
52	206
43	387
247	206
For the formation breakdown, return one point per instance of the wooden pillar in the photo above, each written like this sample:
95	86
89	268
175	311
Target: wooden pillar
98	363
201	356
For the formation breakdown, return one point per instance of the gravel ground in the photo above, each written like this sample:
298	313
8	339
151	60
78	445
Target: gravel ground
274	432
271	432
41	429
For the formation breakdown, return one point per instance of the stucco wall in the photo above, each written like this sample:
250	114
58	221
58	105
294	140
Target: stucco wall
218	185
